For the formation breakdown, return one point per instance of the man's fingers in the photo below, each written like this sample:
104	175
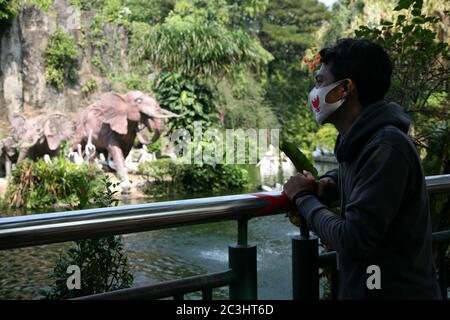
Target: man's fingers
308	174
321	186
326	180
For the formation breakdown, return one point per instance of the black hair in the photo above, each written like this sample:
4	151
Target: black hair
365	63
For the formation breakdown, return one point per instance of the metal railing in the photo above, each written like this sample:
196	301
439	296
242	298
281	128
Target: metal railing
32	230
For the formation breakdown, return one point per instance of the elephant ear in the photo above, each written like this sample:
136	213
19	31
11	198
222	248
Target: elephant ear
116	111
31	133
18	127
58	128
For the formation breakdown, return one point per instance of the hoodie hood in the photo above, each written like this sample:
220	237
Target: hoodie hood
370	120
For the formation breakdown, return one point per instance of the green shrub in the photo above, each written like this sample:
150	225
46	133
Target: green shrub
325	137
130	82
165	177
187	96
102	261
9	9
87	4
160	177
220	177
197	47
89	87
43	5
103	267
60	59
36	185
242	103
155	147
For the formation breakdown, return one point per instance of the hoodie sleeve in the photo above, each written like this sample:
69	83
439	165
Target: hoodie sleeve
375	199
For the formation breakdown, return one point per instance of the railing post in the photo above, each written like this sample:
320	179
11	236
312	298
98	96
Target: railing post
334	283
442	265
305	267
242	260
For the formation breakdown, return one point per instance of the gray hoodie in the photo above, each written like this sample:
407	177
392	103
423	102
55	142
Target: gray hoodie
385	218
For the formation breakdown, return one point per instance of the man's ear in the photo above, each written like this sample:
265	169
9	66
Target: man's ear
349	87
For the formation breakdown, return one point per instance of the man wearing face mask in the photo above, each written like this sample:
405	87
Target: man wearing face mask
385	218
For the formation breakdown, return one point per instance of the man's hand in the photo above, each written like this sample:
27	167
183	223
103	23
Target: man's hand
327	190
299	185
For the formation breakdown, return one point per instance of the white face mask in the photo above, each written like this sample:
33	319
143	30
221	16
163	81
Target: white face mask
322	110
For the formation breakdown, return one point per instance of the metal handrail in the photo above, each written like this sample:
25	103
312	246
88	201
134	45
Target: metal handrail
23	231
168	288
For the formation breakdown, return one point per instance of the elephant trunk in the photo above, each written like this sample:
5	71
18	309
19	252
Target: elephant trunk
156	126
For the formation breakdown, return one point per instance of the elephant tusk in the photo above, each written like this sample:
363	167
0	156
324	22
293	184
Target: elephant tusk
164	115
169	113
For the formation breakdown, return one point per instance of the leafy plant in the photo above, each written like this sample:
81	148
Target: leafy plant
420	59
89	87
165	177
128	82
220	177
298	158
43	5
102	261
103	267
242	104
189	97
161	177
155	147
200	49
36	185
61	56
8	9
87	4
326	137
149	11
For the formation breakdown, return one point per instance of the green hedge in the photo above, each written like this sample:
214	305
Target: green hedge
165	177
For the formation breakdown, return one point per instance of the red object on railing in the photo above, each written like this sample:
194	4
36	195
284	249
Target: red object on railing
281	202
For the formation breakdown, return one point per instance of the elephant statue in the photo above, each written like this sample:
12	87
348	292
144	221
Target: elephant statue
41	134
8	155
113	122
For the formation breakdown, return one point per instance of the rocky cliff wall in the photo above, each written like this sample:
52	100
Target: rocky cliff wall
23	87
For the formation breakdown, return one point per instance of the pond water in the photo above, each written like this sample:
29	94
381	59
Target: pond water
175	253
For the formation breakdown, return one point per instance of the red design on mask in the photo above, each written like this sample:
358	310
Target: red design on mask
315	104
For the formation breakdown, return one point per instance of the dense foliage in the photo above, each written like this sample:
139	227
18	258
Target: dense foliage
36	185
103	267
166	177
8	9
420	84
60	59
186	96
